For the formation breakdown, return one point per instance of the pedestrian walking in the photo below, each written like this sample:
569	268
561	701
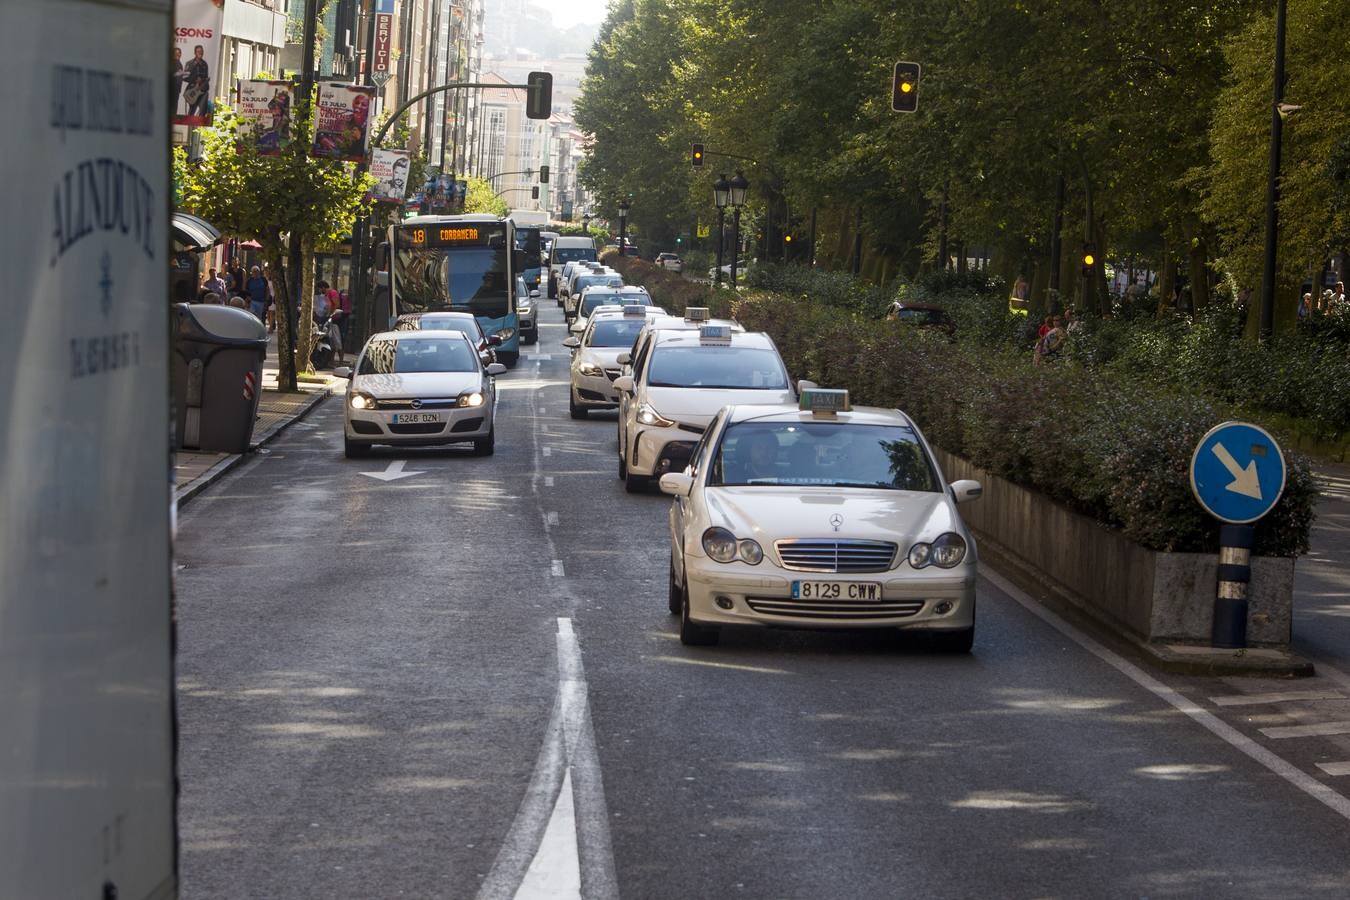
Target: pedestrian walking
1051	345
257	289
1338	302
1305	308
214	284
1072	324
1045	328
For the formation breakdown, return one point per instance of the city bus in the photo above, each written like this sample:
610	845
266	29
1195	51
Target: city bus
529	239
465	263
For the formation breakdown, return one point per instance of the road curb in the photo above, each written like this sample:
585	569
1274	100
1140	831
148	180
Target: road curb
215	473
1173	658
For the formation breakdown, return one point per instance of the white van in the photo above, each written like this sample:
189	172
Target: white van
567	249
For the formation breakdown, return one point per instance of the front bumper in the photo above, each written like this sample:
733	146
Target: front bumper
657	451
762	595
595	391
377	426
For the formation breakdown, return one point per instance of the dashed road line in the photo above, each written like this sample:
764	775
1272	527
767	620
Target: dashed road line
557	569
1321	729
548	451
1287	697
548	481
551	518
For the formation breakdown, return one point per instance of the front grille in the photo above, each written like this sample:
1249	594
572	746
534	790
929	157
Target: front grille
846	610
419	428
845	557
407	403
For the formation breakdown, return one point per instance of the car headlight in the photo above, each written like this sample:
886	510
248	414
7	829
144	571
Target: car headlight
648	416
590	369
946	552
505	333
720	545
474	399
359	400
751	552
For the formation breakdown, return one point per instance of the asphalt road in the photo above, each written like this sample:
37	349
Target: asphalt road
463	682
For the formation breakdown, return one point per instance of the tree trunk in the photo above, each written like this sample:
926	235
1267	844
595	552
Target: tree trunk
304	338
1199	273
1166	280
1102	286
281	302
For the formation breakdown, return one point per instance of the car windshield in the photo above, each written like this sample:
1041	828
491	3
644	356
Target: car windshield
433	322
387	356
591	301
572	254
823	454
732	368
584	281
615	332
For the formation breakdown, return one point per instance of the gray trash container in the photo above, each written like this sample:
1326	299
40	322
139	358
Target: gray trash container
217	376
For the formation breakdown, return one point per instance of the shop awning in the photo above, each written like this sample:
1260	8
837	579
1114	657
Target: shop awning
193	233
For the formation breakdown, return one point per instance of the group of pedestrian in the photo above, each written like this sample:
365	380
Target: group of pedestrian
1052	337
1331	301
251	291
331	306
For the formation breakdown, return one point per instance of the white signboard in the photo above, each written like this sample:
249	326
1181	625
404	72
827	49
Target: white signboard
390	170
86	736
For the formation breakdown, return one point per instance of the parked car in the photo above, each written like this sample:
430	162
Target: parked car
670	261
920	315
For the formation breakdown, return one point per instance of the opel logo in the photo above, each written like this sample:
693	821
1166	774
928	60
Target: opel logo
417	404
836	520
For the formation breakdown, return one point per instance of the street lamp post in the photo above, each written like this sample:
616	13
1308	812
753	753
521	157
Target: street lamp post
585	223
721	197
623	224
1268	275
738	187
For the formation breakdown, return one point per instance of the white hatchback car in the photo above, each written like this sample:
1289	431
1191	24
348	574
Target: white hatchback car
610	332
419	388
680	379
816	515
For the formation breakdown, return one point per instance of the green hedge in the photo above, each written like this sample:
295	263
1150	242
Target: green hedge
1114	448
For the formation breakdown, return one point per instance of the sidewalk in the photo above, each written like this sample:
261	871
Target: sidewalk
194	470
1322	578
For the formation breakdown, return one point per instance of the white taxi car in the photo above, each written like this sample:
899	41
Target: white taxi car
611	331
818	515
603	295
418	388
680	379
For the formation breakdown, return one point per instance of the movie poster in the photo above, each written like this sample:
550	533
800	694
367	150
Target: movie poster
196	50
390	169
265	115
342	121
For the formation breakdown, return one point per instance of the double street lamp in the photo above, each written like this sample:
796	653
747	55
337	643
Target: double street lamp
729	193
721	197
585	223
623	224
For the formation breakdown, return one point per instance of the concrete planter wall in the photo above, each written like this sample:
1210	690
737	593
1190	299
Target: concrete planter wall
1158	597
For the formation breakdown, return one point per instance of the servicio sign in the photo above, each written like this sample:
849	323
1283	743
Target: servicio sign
1237	472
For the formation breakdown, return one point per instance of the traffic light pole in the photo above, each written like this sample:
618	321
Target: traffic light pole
1267	324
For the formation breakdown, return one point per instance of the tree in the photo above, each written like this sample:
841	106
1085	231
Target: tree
267	198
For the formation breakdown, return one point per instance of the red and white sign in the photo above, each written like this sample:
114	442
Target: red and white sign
250	385
384	40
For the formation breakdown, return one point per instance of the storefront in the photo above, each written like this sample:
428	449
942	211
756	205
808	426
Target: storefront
193	238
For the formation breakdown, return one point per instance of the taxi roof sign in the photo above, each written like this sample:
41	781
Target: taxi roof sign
824	401
634	311
696	314
714	334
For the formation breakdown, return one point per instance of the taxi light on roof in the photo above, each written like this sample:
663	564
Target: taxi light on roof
634	311
824	401
714	334
696	314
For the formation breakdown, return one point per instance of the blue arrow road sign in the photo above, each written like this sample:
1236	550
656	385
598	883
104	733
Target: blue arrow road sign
1237	472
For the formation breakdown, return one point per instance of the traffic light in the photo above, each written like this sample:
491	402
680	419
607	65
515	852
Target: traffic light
1089	259
697	156
539	95
905	87
534	192
543	174
787	238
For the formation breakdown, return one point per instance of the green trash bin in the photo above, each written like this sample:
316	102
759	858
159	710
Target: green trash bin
217	376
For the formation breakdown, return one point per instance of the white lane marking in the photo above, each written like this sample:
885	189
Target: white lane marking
557	568
568	761
393	473
1336	768
539	357
542	411
1321	729
555	872
1289	772
551	518
548	451
1288	697
548	481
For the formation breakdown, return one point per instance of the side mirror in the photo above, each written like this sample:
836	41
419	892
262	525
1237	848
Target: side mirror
677	484
624	383
496	369
534	294
967	489
805	385
576	326
343	372
624	359
571	341
494	341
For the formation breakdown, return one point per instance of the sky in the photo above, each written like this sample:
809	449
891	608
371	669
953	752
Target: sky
567	13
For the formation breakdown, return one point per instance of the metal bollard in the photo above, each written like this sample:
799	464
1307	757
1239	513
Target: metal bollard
1235	574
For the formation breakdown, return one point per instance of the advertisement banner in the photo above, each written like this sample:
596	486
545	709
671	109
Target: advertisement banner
342	121
264	109
390	169
196	48
384	40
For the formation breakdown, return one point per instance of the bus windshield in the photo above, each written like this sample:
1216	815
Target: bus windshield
452	266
